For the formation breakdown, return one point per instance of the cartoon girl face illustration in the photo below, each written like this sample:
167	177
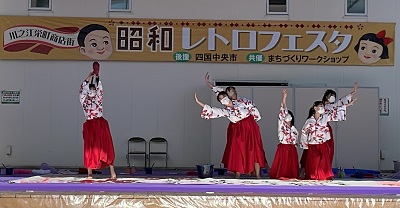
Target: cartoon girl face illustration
372	47
95	42
369	52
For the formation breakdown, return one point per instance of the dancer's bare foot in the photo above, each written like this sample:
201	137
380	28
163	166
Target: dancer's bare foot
112	171
257	170
257	174
251	173
237	175
90	174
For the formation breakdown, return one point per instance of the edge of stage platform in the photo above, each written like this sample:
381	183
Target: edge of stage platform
104	199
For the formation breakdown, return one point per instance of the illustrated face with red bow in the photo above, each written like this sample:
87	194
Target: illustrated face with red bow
372	47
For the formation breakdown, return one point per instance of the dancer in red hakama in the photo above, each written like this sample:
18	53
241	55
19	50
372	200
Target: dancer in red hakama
97	141
286	161
244	153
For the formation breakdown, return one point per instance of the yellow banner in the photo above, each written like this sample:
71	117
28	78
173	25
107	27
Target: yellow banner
227	41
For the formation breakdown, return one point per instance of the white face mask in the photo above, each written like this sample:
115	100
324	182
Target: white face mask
332	99
288	118
225	101
92	93
321	110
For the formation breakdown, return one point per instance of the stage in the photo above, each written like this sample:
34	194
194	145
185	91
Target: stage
173	189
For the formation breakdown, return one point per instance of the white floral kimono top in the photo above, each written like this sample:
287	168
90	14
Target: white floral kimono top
317	131
92	108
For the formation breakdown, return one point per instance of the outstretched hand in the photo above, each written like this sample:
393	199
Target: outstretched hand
198	101
284	95
207	79
355	88
284	92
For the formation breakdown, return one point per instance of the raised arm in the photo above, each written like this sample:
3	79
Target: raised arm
283	110
348	98
213	112
210	112
215	89
207	79
84	88
198	101
99	92
355	88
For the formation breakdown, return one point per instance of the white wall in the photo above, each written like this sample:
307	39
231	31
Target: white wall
156	99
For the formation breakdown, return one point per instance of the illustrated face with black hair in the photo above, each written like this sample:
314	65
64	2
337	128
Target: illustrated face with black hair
95	42
372	47
369	52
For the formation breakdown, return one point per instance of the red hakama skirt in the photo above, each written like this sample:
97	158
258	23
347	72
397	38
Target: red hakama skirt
244	147
303	159
285	163
98	149
319	166
331	144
